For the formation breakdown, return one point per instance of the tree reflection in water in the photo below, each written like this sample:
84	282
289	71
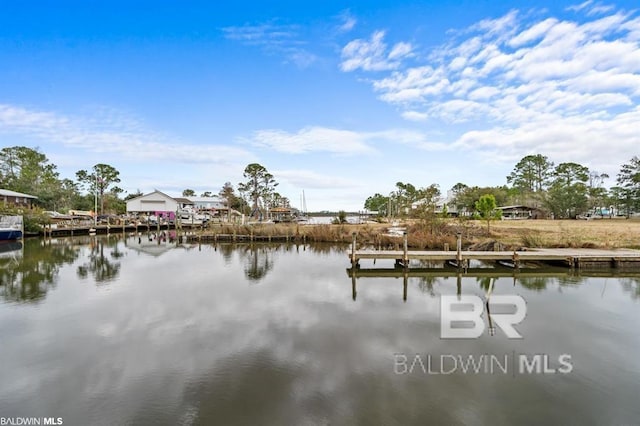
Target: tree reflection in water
534	283
27	276
631	286
226	250
258	261
100	265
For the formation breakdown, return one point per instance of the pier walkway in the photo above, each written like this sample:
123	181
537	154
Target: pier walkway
572	257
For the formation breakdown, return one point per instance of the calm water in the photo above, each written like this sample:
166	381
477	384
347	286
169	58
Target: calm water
114	331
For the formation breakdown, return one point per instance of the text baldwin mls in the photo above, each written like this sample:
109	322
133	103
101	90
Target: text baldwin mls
507	364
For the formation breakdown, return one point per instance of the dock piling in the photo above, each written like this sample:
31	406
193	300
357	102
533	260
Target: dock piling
353	249
405	246
459	249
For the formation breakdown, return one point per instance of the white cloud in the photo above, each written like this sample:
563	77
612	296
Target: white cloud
110	133
483	93
533	33
276	39
413	85
312	139
526	83
499	27
591	8
313	180
589	141
579	7
347	21
336	141
400	50
632	26
415	116
371	55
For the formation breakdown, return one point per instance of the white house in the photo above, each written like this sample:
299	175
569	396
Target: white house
207	203
156	203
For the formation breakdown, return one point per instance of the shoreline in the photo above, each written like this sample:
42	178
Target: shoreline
435	235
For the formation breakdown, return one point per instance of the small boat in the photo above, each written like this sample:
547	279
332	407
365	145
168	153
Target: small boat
11	228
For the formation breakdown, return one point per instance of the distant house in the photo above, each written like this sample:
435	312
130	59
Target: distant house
282	214
441	204
156	203
207	203
18	199
184	203
521	212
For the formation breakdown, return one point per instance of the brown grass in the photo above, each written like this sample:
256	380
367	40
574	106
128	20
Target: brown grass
605	233
600	233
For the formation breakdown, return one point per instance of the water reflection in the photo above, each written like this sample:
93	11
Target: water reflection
258	261
631	286
99	265
427	279
226	250
27	273
155	243
534	283
181	337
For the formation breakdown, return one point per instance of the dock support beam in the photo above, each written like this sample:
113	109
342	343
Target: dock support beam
459	249
354	292
405	247
354	262
405	284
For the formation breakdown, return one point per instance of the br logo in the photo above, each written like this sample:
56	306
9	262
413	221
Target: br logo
466	311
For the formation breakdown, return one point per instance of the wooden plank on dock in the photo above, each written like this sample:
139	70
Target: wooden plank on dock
571	256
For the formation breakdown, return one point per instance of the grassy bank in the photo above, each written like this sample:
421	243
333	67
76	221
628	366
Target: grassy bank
605	233
598	233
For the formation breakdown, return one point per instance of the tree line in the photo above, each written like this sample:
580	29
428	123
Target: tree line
565	190
29	171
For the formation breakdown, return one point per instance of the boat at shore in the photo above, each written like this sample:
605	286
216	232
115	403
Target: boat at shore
11	228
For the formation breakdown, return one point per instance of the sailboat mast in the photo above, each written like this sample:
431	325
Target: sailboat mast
304	203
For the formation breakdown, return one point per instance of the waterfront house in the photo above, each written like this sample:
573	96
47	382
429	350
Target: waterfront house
184	203
207	203
17	199
156	203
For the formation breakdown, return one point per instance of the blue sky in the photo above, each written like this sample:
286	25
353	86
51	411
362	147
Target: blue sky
339	99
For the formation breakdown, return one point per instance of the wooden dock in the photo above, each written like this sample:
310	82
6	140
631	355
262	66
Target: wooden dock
572	257
240	238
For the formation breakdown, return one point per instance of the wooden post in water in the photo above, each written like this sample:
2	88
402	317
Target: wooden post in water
353	250
354	293
459	249
405	282
405	247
